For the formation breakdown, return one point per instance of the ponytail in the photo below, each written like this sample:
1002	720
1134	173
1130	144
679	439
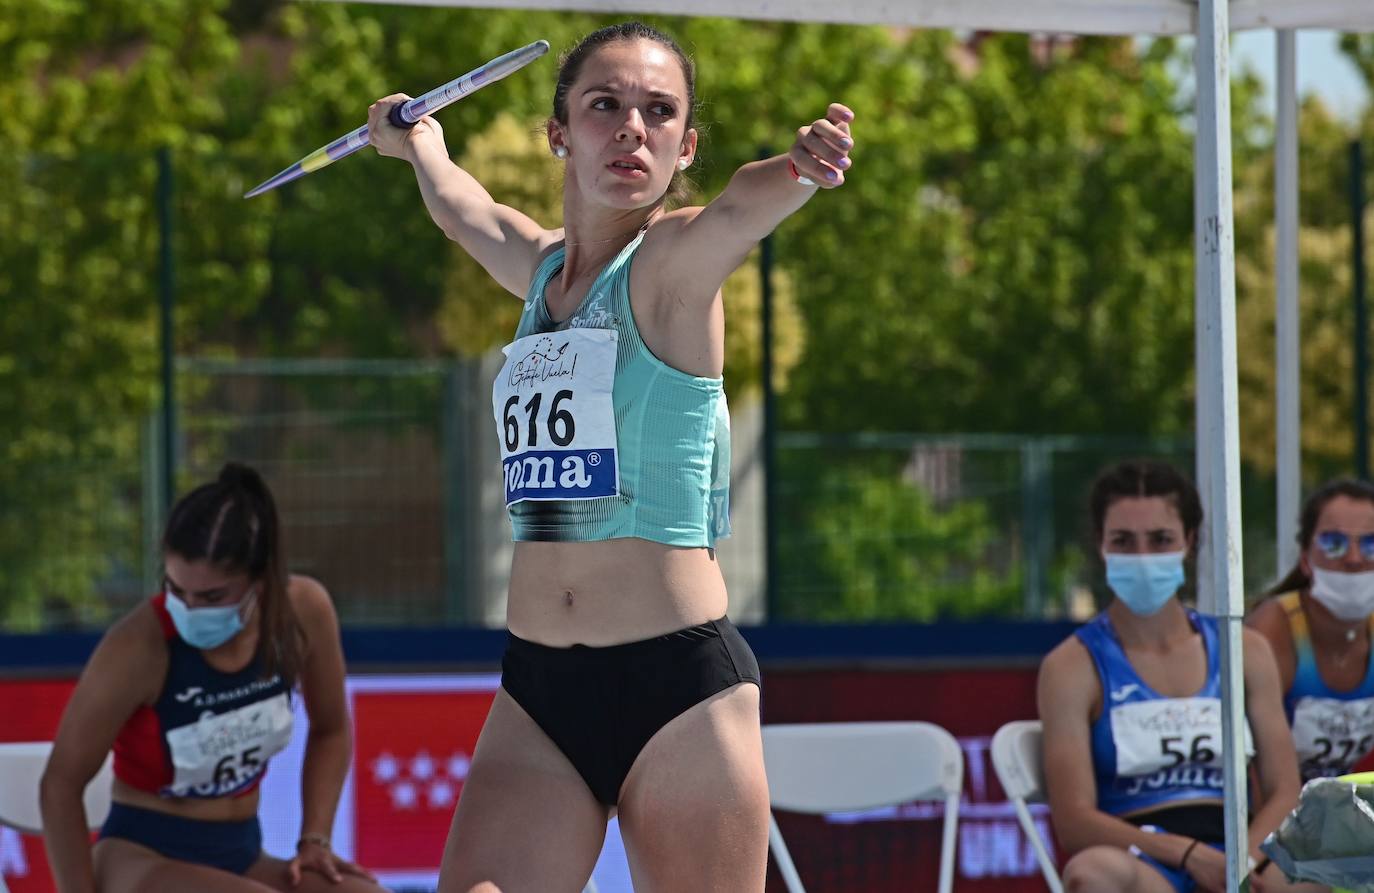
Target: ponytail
232	523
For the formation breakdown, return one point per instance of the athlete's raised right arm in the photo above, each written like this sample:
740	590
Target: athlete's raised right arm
503	240
123	673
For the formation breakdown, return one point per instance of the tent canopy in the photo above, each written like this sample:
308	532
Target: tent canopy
1058	16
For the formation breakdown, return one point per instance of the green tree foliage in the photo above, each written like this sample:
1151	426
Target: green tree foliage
1012	252
1326	312
869	545
1041	210
88	93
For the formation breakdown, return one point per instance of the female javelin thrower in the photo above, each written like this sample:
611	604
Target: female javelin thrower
624	685
192	690
1131	705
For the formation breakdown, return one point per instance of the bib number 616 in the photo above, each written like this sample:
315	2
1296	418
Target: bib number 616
559	423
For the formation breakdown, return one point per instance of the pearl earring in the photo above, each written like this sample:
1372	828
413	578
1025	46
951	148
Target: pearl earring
684	163
560	151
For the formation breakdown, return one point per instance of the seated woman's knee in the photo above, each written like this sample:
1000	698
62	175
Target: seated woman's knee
1099	869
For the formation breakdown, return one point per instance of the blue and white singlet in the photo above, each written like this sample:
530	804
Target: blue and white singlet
1152	752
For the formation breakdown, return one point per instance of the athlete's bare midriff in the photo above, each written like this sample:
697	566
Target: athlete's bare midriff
611	591
217	809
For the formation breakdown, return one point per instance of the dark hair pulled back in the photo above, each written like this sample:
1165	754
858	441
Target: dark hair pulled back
571	62
232	523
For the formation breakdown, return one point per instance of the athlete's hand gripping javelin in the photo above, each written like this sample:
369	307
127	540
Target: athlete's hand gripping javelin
393	141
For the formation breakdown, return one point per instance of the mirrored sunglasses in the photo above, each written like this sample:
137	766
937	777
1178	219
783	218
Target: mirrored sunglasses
1335	544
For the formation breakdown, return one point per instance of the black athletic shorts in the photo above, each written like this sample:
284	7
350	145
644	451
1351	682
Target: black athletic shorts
600	706
228	846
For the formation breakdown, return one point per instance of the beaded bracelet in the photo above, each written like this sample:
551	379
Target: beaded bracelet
318	840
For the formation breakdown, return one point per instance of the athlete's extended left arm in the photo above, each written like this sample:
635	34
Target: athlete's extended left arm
1276	759
714	240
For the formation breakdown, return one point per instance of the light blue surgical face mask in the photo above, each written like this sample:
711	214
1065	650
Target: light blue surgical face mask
209	627
1144	583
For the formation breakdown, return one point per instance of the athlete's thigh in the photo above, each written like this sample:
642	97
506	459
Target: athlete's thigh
526	821
272	871
1110	869
122	866
694	809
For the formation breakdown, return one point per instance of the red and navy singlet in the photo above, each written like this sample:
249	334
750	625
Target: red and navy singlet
210	733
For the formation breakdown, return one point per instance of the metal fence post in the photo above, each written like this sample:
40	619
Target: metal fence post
1036	524
154	503
1357	208
165	299
457	609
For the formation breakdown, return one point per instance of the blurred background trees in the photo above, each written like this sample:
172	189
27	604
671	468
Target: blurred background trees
1012	255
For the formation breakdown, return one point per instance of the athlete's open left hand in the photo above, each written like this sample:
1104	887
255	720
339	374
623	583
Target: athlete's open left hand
821	151
321	859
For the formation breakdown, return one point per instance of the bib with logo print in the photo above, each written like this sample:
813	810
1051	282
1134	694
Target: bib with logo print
1332	735
554	409
219	754
1154	734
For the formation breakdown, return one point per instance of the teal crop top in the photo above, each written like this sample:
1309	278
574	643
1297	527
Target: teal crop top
600	438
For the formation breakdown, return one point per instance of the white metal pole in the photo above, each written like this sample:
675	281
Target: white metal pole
1215	247
1287	366
1204	371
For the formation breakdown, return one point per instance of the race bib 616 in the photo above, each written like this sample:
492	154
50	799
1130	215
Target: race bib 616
555	412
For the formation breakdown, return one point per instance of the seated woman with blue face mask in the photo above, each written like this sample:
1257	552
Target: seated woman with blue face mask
1318	621
192	691
1131	706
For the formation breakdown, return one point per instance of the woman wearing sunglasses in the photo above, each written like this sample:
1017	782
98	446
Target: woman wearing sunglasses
1318	622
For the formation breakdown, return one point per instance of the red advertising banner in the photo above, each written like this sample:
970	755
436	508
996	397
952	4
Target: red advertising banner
898	849
31	710
411	755
415	736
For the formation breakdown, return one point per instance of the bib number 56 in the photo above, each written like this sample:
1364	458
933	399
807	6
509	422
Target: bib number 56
1177	749
559	423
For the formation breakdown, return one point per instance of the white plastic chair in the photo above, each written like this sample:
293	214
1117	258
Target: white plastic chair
1017	759
21	769
836	767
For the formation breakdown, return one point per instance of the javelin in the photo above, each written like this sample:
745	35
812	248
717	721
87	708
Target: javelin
408	113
